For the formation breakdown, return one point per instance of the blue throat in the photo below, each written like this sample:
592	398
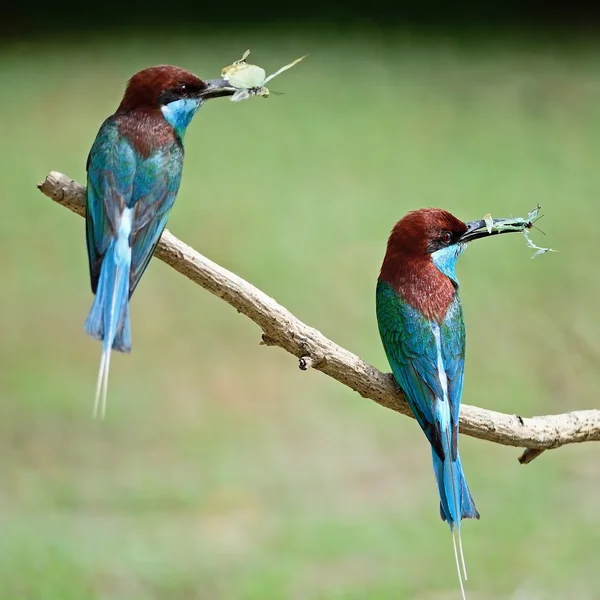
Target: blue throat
446	258
180	113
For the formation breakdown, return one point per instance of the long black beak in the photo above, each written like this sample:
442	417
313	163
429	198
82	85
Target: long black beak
216	88
481	229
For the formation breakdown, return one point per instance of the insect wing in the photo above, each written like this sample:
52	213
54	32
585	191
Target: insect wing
240	95
244	57
489	222
232	67
285	68
246	76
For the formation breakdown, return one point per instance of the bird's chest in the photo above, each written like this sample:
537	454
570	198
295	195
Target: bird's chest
429	292
149	134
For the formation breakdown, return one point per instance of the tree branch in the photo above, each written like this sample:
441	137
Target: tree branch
281	328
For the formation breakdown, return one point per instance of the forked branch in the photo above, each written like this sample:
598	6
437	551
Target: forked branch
281	328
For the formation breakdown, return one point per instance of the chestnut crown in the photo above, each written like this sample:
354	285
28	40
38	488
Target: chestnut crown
425	231
155	87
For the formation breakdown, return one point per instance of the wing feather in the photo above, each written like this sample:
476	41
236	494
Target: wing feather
410	345
118	176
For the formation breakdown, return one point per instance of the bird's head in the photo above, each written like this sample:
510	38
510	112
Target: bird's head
177	93
433	234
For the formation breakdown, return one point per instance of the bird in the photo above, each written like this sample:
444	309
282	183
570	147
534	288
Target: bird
134	169
420	321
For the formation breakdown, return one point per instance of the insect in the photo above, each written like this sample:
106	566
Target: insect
518	224
250	80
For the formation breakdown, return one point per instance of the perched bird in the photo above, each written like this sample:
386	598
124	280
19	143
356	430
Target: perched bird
421	325
133	174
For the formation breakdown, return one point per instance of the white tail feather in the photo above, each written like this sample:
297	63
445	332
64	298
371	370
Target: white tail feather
99	383
460	579
105	386
108	342
109	336
102	384
462	556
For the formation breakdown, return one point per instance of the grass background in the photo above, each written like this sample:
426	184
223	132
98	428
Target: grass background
224	472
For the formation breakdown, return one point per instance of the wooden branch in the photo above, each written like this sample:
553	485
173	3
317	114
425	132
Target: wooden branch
281	328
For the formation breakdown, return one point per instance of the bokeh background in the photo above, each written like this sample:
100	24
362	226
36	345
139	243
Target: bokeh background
222	471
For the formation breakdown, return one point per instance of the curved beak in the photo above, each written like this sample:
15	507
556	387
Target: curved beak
216	88
489	227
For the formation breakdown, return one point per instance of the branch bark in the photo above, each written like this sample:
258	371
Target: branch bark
281	328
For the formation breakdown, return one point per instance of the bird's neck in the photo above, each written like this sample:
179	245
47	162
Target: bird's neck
445	260
420	283
179	114
147	130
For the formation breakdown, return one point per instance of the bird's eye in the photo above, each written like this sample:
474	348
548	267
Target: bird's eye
446	237
182	88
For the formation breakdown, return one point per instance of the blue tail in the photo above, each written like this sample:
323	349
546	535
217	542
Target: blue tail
108	319
454	491
456	502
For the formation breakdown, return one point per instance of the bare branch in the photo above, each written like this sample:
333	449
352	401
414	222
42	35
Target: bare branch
281	328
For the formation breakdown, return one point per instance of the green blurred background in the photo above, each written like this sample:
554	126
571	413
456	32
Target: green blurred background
224	472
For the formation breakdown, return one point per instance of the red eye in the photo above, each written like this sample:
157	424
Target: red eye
446	237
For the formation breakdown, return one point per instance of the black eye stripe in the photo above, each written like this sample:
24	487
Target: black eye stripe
178	92
442	239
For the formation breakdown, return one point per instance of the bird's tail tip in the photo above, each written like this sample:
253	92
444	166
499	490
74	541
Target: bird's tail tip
459	559
456	503
108	319
102	384
121	342
95	328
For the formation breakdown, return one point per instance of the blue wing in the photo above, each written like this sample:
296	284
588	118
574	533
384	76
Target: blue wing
410	345
452	332
111	169
120	177
156	186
